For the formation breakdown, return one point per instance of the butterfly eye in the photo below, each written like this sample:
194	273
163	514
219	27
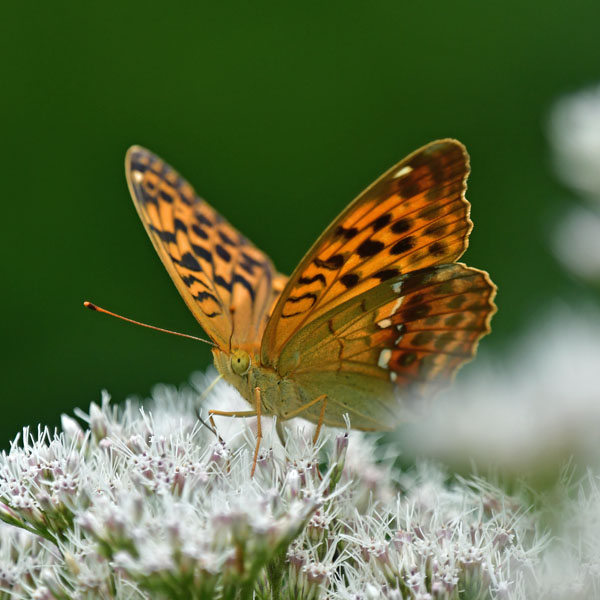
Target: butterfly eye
240	362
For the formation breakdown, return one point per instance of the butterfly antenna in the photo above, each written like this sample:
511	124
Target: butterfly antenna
112	314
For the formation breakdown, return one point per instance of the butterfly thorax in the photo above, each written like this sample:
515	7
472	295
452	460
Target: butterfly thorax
278	395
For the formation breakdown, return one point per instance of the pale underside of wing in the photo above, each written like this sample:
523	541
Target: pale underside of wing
414	216
379	354
229	285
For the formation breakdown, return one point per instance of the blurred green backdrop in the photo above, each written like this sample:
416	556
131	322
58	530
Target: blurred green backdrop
279	114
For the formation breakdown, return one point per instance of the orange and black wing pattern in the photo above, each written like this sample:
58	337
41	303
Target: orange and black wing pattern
410	333
413	217
229	285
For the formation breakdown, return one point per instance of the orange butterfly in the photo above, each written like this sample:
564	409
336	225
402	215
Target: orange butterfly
377	313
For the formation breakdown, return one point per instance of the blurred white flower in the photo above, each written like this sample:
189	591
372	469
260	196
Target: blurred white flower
529	413
575	139
577	242
570	569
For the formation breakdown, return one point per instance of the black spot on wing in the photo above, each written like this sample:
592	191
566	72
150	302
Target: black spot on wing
204	220
385	274
226	239
180	225
308	295
199	231
431	212
295	299
332	263
186	195
247	267
200	296
437	249
309	280
137	164
416	299
436	228
456	302
149	184
224	254
403	245
164	236
247	258
423	338
414	313
189	262
165	196
381	222
407	358
417	279
369	248
348	233
221	281
401	226
409	187
190	279
349	280
294	314
202	253
454	320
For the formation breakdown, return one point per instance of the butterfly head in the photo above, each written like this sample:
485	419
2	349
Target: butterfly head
240	362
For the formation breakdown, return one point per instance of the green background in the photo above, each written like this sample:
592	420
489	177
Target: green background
279	114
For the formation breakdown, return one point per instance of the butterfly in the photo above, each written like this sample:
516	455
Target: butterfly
377	315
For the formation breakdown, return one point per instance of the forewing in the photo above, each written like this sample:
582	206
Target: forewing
414	216
229	285
403	339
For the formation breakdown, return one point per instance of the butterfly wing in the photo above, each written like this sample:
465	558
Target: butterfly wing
229	285
414	216
401	340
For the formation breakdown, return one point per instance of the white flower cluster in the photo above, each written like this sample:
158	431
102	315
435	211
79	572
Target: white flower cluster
149	503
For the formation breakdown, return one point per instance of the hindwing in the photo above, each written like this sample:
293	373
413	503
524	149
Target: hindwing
396	343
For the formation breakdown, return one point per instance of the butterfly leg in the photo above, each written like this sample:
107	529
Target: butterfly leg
242	413
301	409
227	413
258	430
